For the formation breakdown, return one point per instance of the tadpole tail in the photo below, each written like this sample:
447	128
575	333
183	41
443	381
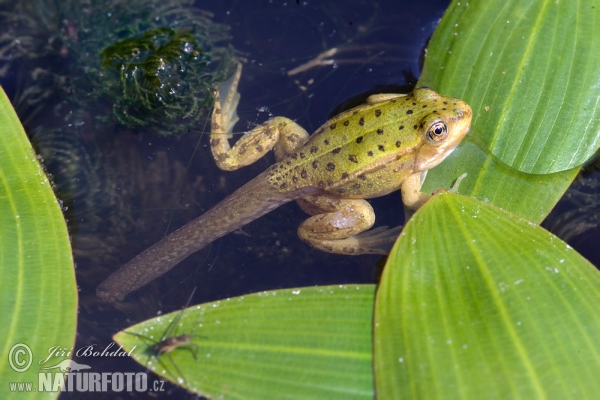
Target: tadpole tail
248	203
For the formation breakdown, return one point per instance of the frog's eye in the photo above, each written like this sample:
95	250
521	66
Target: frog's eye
437	132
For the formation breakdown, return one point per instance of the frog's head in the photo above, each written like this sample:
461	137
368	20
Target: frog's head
442	128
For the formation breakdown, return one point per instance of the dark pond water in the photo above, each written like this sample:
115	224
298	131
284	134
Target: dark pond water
154	185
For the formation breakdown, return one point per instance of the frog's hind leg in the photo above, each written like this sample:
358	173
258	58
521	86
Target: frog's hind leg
279	133
341	226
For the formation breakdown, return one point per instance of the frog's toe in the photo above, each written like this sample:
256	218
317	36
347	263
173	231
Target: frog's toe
379	240
375	241
229	98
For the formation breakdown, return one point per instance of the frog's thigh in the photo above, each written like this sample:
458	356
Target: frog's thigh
412	196
280	131
335	224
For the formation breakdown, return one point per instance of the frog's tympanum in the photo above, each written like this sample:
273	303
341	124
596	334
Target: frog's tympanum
387	144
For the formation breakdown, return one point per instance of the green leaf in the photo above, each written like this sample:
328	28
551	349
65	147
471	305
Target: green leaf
530	71
294	343
531	196
476	302
37	280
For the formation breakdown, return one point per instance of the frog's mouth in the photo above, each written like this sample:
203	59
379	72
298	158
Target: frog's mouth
425	163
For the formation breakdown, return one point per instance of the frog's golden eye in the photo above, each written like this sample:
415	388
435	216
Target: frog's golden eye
437	132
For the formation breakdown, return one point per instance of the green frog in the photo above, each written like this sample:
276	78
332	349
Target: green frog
386	144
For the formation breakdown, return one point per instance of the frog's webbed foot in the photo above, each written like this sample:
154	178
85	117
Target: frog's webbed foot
227	98
374	241
379	240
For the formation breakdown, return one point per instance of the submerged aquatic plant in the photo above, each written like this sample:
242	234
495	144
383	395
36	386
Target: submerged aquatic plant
147	64
163	75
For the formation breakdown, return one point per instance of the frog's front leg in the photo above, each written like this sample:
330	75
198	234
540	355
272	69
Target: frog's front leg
279	133
412	196
337	224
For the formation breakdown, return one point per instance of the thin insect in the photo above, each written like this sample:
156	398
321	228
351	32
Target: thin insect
168	343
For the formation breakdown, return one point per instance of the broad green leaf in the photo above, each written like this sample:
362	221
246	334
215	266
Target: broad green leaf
531	196
38	294
476	302
530	71
308	343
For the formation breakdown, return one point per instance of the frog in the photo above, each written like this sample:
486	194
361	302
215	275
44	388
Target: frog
384	145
